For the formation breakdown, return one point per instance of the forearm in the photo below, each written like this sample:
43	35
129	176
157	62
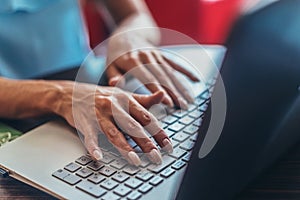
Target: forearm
133	16
27	98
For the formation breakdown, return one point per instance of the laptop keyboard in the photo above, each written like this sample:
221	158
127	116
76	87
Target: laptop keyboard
114	178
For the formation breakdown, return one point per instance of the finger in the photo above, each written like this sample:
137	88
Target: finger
114	76
151	124
157	70
133	66
137	133
91	143
149	100
177	81
119	141
181	69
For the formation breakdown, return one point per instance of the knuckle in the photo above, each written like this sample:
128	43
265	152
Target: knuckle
130	58
104	102
146	118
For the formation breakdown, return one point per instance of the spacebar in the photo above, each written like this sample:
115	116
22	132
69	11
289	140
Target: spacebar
166	161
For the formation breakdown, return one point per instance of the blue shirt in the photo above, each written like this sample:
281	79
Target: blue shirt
40	36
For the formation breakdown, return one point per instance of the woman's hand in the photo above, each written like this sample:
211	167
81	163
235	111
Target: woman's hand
131	53
92	109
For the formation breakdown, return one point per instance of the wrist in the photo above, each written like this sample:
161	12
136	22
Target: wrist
57	96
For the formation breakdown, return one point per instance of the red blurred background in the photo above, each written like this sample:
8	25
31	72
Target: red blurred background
206	21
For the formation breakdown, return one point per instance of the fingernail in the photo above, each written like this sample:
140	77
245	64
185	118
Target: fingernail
134	158
155	156
168	147
97	154
182	103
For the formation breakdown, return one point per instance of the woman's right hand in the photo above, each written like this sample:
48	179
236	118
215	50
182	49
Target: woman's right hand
92	109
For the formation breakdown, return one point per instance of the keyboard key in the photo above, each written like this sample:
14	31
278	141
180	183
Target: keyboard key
203	107
174	143
177	153
83	160
134	195
166	161
107	158
180	113
178	164
163	125
95	165
84	172
191	107
156	180
194	137
199	101
138	149
109	184
167	172
110	196
144	175
60	174
191	129
91	188
169	132
131	170
66	176
72	167
196	114
205	95
96	178
176	127
180	137
122	190
187	157
119	163
145	188
120	177
144	161
72	179
186	120
169	119
107	171
187	145
131	143
198	122
133	183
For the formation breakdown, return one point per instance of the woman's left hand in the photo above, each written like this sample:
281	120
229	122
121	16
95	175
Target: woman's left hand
131	53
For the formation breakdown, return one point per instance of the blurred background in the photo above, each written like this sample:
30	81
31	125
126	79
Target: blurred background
206	21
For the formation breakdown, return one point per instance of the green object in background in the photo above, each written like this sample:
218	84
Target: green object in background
7	134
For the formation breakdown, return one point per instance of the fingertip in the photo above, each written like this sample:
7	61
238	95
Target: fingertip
134	158
168	147
97	154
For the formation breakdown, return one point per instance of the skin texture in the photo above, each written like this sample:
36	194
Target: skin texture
131	47
92	109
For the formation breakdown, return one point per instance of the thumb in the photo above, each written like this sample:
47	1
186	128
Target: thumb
148	100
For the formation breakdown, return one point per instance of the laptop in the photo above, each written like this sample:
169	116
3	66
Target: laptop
53	159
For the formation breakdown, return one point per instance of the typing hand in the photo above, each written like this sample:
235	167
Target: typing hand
92	109
147	64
